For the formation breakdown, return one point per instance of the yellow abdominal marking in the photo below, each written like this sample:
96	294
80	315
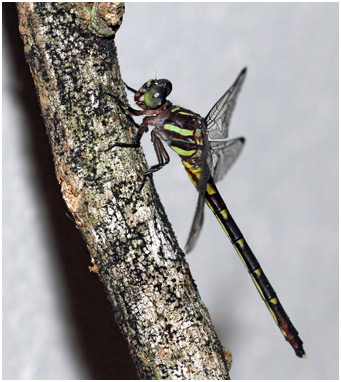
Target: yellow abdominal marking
274	301
224	214
210	189
242	259
275	318
241	242
260	291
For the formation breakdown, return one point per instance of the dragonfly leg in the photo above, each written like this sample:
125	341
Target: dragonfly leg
136	140
161	155
127	110
141	129
129	88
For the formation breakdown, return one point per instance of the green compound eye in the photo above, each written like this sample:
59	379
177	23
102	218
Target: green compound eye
155	96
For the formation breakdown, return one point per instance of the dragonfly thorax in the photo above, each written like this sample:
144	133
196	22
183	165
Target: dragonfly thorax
153	94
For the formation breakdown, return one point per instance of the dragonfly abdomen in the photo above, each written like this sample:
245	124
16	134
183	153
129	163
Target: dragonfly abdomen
218	206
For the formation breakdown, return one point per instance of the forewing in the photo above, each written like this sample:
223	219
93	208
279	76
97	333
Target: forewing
218	118
224	154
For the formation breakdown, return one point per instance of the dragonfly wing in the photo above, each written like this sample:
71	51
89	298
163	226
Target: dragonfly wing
218	118
224	154
206	163
196	224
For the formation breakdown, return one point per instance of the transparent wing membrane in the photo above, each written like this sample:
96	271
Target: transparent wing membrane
196	224
218	118
224	154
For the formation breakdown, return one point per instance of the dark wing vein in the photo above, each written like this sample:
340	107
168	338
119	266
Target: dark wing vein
224	154
196	224
218	118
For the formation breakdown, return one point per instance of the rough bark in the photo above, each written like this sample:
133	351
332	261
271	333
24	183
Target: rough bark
72	57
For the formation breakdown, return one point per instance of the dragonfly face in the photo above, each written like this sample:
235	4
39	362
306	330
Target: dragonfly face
207	156
153	94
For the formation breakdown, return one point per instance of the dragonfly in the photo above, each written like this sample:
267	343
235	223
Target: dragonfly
207	155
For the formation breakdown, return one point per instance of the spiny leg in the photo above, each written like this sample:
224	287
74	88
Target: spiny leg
141	129
160	150
161	155
135	142
127	110
130	88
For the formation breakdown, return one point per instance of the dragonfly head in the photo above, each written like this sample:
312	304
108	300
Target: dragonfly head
153	94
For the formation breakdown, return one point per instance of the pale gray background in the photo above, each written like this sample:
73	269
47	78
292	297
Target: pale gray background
283	191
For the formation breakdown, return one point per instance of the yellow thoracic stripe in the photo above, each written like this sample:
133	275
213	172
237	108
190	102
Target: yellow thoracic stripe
178	130
175	109
186	153
184	113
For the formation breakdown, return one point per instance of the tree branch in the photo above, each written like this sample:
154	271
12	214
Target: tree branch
72	56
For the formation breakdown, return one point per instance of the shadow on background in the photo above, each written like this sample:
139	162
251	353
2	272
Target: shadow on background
100	342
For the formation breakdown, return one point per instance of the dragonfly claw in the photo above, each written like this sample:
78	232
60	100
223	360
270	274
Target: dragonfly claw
122	144
147	174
